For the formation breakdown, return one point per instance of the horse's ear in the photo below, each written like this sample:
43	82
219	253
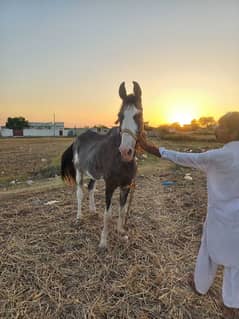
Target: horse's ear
122	91
137	90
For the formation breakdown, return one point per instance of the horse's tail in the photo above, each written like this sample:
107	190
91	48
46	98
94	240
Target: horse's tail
68	172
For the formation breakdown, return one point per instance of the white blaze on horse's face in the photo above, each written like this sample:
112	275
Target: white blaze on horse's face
129	129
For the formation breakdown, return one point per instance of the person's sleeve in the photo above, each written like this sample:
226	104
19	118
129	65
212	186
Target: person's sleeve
196	160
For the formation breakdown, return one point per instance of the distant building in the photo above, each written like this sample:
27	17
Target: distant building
36	129
41	129
44	129
5	132
100	129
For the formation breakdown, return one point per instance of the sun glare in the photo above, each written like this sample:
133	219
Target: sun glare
181	118
182	113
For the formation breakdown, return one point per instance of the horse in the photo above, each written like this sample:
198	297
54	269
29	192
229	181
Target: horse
110	156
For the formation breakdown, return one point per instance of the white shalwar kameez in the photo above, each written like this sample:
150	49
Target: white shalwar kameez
220	239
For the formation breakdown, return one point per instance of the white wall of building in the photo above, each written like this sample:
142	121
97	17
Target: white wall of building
38	129
69	132
6	132
41	132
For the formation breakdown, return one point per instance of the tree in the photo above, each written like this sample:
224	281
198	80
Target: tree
17	123
207	121
194	124
163	129
176	126
146	126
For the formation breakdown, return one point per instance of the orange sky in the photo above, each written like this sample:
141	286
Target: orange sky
69	58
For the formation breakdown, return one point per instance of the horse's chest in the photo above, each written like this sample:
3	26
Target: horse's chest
122	175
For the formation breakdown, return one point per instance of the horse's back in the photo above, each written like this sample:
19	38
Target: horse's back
86	140
89	136
86	148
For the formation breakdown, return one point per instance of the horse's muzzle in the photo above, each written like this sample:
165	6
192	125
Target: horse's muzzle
127	154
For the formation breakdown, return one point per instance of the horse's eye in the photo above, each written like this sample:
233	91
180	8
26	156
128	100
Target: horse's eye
137	117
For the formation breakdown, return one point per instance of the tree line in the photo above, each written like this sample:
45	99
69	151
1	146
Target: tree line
203	122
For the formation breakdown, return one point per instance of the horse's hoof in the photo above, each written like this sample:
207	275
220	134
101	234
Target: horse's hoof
77	222
102	249
74	223
121	231
125	237
102	245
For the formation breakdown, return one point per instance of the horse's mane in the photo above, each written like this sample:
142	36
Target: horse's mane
113	130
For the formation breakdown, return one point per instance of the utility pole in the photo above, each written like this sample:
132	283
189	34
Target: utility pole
54	124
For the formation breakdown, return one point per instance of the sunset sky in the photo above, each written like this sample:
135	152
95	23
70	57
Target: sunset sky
69	58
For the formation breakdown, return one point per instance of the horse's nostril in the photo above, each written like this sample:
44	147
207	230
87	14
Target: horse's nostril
130	152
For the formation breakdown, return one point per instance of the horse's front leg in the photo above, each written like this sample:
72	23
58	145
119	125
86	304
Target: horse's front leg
79	193
124	191
109	190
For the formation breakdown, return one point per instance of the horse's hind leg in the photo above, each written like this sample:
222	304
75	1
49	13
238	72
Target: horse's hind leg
124	191
91	189
79	193
109	190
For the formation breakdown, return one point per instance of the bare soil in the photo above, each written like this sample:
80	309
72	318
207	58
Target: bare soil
27	158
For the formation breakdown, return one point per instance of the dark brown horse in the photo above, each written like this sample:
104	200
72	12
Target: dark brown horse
110	156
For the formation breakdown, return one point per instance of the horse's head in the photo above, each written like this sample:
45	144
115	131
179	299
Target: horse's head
130	118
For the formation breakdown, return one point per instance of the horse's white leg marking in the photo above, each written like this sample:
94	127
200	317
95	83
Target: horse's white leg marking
92	200
121	219
79	193
104	234
124	192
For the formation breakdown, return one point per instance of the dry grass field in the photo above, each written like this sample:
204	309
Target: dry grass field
29	158
52	268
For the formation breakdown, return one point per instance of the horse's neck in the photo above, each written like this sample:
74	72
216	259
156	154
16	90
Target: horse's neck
108	148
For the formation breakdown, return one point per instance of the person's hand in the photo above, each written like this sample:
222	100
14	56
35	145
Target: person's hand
148	146
161	150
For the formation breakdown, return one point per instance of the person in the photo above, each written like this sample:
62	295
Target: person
220	236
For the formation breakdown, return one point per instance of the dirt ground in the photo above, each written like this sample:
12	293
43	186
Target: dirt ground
52	268
22	159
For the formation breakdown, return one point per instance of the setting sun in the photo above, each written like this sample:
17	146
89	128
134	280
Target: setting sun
179	106
182	113
181	118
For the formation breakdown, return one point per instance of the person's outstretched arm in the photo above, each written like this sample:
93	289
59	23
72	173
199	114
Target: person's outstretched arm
195	160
